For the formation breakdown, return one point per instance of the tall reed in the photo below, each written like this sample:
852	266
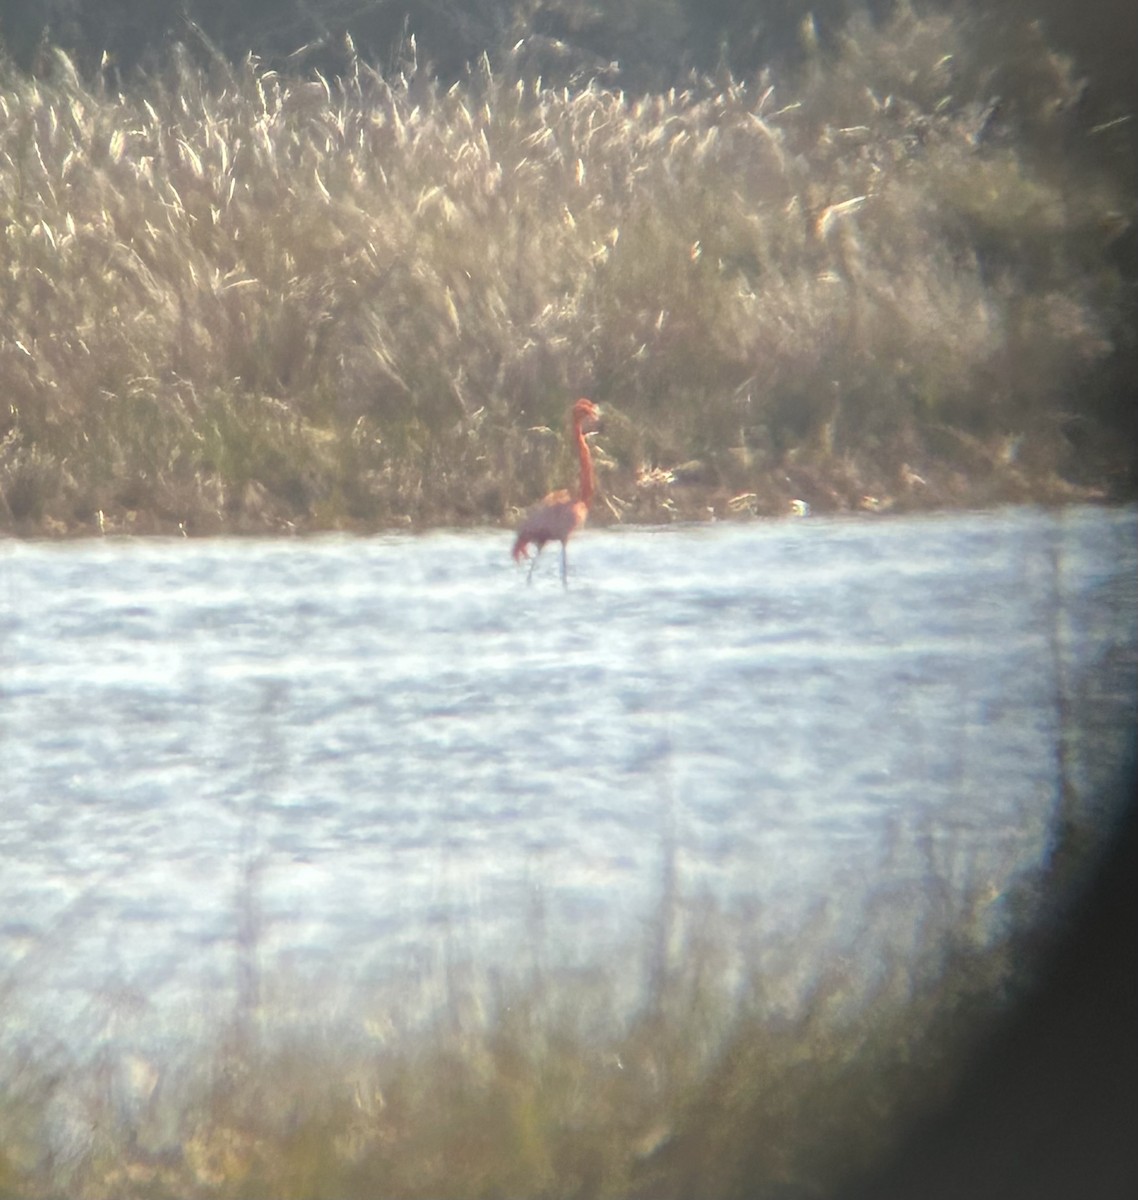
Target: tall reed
233	299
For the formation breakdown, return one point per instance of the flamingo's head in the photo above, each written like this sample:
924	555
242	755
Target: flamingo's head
586	414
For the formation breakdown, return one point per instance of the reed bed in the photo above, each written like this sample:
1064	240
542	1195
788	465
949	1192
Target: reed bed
234	300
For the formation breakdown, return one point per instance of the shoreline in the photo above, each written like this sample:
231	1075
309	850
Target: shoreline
659	497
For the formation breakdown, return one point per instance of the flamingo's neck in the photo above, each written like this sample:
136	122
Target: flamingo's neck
588	479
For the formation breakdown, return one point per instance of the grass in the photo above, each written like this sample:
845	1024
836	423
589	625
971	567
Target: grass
734	1068
235	300
716	1054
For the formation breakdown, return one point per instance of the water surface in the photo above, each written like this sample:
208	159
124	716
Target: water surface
357	763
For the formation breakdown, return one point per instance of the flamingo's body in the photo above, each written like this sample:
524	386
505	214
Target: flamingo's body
562	513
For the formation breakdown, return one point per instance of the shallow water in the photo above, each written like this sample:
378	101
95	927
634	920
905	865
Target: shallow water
356	762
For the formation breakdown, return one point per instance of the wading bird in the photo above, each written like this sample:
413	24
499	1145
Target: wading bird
560	514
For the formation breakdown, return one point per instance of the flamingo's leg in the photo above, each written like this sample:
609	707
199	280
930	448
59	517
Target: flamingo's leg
533	563
565	564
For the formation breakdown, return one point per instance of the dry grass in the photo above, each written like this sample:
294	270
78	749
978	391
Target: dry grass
235	300
721	1082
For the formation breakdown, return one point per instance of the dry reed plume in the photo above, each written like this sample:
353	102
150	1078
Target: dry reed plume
236	300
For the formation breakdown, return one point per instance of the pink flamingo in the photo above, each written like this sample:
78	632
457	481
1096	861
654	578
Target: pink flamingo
561	514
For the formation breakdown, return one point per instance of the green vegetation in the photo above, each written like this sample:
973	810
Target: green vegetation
743	1069
237	299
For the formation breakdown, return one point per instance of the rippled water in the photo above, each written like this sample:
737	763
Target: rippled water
362	760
